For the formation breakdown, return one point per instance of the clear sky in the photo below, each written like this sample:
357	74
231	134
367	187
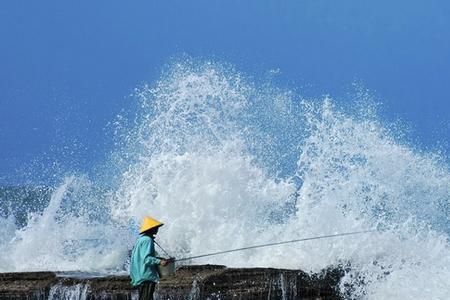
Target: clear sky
67	67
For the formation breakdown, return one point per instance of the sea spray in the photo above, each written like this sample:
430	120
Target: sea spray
74	232
227	163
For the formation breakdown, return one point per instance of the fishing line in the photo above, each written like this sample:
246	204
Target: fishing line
271	244
162	249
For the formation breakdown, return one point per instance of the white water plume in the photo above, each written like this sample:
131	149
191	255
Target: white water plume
226	163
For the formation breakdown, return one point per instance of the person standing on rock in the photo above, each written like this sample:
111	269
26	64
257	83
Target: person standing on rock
143	268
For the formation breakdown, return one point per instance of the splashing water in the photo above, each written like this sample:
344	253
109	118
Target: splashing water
226	164
77	292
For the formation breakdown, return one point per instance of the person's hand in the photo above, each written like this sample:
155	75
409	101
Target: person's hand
164	262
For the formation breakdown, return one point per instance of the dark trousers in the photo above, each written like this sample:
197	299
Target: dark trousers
146	290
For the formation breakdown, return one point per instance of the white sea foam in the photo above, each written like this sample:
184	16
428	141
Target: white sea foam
226	164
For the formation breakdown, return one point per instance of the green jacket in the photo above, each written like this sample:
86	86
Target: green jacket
144	263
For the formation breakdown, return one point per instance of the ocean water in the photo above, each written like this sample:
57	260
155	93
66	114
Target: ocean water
228	162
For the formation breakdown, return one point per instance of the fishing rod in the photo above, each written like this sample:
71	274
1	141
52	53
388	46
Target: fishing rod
270	244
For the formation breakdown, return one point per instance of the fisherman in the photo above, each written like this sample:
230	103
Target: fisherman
143	269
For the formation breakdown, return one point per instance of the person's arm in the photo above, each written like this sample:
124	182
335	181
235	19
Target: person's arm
149	259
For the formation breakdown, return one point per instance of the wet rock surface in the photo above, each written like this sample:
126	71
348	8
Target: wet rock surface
190	282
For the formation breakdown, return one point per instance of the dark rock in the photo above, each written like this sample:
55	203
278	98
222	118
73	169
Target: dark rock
32	285
190	282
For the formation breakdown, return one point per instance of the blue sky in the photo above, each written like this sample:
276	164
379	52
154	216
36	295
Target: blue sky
67	67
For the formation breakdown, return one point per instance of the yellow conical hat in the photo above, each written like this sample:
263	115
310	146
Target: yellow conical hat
149	223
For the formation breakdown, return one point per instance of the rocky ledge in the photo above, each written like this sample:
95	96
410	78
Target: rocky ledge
190	282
